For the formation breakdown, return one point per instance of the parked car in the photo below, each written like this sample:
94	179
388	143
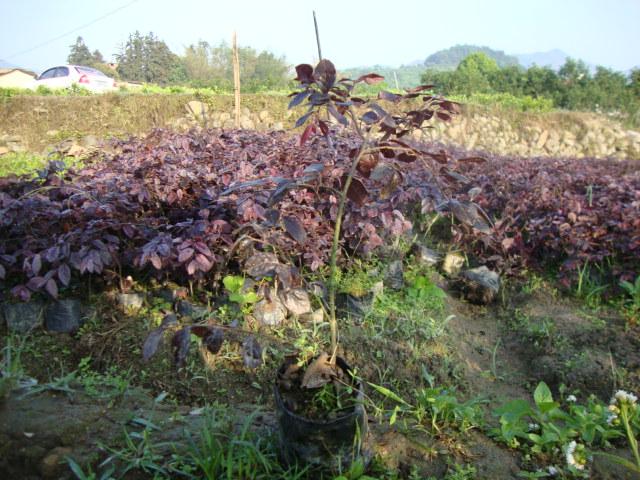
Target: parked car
66	75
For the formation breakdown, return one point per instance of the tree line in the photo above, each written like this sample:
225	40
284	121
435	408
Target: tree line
572	87
147	59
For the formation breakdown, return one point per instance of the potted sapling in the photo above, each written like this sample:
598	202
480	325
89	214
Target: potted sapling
321	417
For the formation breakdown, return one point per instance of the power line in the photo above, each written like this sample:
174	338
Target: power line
96	20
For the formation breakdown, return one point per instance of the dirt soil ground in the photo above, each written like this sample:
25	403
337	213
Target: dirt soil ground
493	353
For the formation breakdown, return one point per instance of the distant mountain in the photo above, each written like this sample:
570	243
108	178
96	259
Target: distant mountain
450	58
553	58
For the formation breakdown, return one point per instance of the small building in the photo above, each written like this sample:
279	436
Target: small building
16	78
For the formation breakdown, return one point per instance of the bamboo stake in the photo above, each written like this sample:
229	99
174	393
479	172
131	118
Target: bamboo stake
236	80
315	23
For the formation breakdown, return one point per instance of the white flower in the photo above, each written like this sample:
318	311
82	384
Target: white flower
573	460
553	471
612	417
533	427
572	398
624	397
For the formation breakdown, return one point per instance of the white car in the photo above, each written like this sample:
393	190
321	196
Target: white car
67	75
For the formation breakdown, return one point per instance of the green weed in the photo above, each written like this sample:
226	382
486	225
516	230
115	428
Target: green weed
631	305
11	367
234	285
21	163
557	435
24	163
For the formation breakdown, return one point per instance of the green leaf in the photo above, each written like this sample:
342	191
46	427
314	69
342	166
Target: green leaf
233	283
542	394
394	415
388	393
514	410
145	423
547	407
236	298
251	297
75	468
535	438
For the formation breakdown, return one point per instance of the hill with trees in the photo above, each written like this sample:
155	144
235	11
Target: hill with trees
572	87
450	58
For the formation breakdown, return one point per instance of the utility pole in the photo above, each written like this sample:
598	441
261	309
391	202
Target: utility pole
236	80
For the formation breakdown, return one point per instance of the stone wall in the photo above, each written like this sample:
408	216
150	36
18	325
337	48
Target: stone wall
34	123
554	134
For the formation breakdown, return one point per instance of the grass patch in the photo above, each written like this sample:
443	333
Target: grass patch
25	163
21	163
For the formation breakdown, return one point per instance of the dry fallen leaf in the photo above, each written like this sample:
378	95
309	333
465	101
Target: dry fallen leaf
319	373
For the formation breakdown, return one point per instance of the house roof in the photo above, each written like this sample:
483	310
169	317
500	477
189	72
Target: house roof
5	71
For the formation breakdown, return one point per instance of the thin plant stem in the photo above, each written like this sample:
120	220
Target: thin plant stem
333	260
633	443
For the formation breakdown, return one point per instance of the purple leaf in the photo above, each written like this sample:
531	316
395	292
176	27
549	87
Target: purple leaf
204	263
151	343
192	267
36	283
390	97
303	119
64	274
156	261
169	320
370	117
304	73
325	74
36	264
21	292
337	115
294	227
213	341
298	98
185	255
52	288
357	192
181	342
370	78
311	129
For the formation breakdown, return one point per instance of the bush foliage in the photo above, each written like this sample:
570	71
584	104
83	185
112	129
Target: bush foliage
175	205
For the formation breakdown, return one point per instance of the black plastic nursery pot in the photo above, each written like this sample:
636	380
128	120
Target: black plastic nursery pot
332	445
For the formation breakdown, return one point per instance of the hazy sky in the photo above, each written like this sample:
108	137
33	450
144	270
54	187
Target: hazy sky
353	32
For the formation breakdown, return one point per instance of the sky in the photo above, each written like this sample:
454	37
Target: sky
36	34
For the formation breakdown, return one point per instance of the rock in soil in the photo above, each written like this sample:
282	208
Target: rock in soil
63	316
251	353
452	264
170	295
131	300
270	312
54	464
354	307
425	257
394	276
296	301
23	317
188	309
314	317
480	285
